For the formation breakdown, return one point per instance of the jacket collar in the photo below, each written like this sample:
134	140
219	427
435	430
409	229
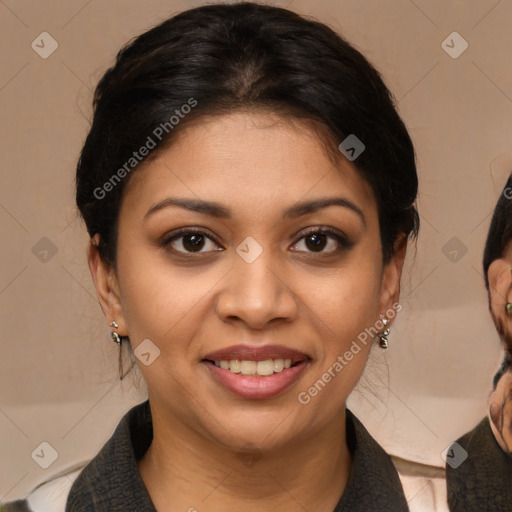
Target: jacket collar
111	481
483	481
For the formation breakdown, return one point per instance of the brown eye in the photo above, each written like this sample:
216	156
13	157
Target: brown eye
316	241
191	241
319	239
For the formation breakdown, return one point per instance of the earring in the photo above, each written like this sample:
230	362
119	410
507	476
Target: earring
113	334
116	337
119	340
383	336
508	308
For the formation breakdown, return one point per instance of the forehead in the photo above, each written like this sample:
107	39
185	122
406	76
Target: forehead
258	161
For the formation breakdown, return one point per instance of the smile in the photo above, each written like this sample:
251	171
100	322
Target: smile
260	368
256	371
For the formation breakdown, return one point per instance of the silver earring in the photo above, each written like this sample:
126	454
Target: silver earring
116	337
119	340
383	336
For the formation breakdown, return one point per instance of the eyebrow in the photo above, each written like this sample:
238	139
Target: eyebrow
221	212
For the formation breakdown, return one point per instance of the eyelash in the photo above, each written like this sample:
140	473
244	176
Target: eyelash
342	240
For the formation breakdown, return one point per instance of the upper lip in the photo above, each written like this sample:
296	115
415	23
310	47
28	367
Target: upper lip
256	353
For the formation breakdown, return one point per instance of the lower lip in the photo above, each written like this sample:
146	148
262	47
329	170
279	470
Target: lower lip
252	386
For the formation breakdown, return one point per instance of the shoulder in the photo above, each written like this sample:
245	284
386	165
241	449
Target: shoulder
373	484
49	496
84	478
397	484
479	478
111	480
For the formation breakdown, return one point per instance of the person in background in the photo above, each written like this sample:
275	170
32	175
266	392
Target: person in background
484	480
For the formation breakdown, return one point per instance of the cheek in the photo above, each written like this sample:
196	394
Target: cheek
346	308
162	303
158	299
347	301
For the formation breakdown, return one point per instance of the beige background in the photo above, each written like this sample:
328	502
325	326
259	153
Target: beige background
58	366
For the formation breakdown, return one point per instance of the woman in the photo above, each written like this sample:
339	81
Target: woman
249	189
483	481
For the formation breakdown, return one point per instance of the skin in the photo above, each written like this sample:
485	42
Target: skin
190	304
500	400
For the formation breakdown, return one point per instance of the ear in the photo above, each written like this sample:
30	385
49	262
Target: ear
107	287
500	290
392	273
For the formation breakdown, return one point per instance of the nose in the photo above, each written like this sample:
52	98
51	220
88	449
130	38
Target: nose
257	293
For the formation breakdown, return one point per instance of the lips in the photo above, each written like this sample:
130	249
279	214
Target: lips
256	386
262	353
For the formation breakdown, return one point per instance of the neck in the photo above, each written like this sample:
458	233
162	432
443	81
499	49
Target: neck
184	470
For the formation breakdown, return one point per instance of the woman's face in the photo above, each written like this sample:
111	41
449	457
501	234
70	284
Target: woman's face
253	275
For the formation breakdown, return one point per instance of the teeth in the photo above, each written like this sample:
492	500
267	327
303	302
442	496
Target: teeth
261	368
248	367
278	365
265	367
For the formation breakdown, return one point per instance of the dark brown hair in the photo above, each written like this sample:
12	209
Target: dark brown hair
223	57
